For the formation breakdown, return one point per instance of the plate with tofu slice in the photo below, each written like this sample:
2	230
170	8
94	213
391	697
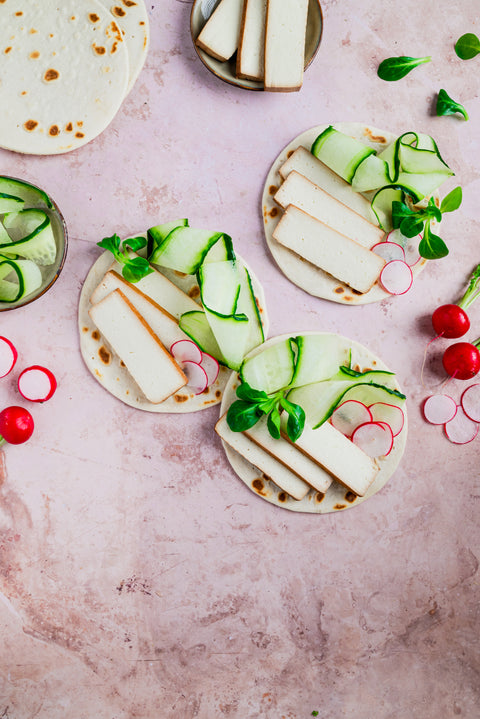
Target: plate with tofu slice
130	331
323	469
257	44
320	231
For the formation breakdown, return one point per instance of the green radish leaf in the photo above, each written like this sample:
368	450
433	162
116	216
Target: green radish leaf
431	246
452	201
467	46
112	244
134	269
411	226
273	423
244	391
447	106
296	419
394	68
134	243
242	415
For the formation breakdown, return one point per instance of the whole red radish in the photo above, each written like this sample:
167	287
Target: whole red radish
462	360
16	425
451	320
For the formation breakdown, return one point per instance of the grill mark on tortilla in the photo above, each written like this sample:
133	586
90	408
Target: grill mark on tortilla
79	135
93	17
104	355
69	127
51	74
282	497
54	131
34	55
7	50
129	3
95	335
99	49
180	398
33	31
118	11
20	12
319	497
350	497
30	125
258	486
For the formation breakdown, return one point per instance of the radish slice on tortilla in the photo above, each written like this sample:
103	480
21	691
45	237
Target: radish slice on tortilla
409	244
196	376
349	415
390	414
396	277
461	429
470	402
439	409
374	438
211	367
186	350
37	383
8	356
389	251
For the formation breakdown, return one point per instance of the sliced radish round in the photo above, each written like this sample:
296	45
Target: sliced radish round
389	251
390	414
196	376
186	350
439	408
374	438
8	356
461	429
409	245
349	415
37	383
396	277
211	367
470	401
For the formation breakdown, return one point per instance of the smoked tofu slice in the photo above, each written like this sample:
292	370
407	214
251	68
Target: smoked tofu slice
299	191
134	342
220	35
287	453
285	31
272	468
251	55
346	462
162	323
328	249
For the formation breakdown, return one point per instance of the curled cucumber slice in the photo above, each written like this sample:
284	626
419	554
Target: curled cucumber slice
32	236
18	278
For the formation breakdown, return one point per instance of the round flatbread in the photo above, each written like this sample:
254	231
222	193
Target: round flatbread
110	372
298	270
132	18
63	76
337	497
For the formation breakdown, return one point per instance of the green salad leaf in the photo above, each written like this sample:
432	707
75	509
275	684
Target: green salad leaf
447	106
394	68
467	46
133	268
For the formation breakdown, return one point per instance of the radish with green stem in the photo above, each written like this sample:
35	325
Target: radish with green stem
8	356
462	360
16	425
451	320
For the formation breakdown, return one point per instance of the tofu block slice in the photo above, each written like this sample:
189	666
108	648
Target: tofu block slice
312	168
220	35
251	55
283	477
134	342
287	453
162	291
285	31
162	323
346	462
328	249
299	191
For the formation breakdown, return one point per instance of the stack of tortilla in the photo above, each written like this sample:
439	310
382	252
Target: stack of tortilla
66	68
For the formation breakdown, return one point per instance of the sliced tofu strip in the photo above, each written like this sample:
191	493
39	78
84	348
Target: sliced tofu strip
287	453
138	347
220	35
311	167
329	250
338	455
162	291
285	31
251	56
299	191
162	323
263	461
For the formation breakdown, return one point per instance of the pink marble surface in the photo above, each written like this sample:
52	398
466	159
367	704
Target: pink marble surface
138	576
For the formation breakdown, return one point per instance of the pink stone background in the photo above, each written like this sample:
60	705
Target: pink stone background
139	577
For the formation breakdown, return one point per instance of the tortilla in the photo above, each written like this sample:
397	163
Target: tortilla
107	368
337	497
132	18
64	74
299	271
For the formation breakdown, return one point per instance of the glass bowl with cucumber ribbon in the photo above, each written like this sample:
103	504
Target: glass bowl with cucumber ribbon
33	242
